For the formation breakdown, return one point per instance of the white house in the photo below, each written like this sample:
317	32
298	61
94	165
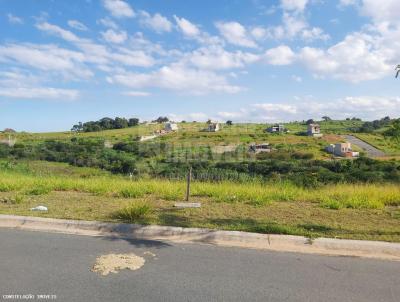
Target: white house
278	128
342	149
213	127
170	127
314	130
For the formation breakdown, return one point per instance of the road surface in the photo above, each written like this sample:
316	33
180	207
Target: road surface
58	264
369	149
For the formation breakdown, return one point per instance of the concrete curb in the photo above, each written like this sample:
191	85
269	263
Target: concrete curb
324	246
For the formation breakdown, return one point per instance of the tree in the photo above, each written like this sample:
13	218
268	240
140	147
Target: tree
326	118
209	121
161	119
133	122
78	127
229	123
397	70
120	123
106	123
394	131
310	121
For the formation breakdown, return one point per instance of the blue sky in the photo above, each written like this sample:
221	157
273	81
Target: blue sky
257	61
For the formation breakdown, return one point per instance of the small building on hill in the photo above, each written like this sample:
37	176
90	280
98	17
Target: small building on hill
259	148
278	128
169	127
213	127
342	150
314	130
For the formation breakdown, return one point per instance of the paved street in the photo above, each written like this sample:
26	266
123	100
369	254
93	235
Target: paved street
58	264
370	150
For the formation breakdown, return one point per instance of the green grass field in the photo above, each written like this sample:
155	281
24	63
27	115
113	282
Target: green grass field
343	211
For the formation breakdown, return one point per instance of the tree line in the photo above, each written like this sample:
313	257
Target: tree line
105	123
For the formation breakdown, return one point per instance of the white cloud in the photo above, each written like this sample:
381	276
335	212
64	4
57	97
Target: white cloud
24	85
281	55
382	10
177	78
132	57
14	19
47	58
112	36
119	8
77	25
258	33
186	27
157	22
298	5
136	93
314	33
295	26
235	33
216	57
100	54
39	93
357	58
107	22
58	31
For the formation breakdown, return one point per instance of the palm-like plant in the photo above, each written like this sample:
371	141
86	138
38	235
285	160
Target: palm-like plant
397	70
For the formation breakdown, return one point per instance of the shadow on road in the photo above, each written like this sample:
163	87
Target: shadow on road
139	243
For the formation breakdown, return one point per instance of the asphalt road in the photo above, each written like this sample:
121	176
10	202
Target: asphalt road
369	149
57	264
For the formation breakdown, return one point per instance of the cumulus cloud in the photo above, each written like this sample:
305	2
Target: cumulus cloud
157	22
112	36
357	58
281	55
177	78
216	57
14	19
77	25
297	5
119	8
186	27
235	33
381	11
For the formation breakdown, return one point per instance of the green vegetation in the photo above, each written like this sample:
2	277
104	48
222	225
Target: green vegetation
134	212
297	189
105	123
361	211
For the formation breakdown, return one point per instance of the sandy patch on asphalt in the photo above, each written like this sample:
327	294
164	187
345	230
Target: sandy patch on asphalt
147	253
112	263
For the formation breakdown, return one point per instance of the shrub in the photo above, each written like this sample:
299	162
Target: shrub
134	212
39	190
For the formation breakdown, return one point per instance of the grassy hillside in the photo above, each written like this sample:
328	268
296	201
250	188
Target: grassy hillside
190	136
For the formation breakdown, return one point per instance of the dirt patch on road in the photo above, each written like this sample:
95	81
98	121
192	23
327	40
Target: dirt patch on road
112	263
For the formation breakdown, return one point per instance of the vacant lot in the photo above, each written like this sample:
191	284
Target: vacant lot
343	211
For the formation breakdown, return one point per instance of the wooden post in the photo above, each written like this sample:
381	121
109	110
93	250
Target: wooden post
189	178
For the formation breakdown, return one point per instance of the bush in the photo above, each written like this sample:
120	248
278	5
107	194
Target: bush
134	212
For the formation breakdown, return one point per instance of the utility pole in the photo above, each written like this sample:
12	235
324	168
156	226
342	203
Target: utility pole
188	204
189	179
